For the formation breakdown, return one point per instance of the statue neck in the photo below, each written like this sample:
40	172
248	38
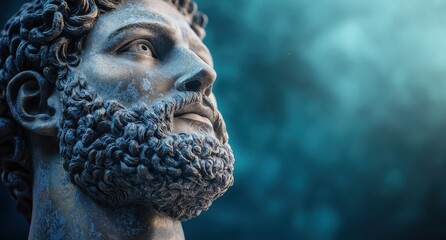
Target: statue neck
62	211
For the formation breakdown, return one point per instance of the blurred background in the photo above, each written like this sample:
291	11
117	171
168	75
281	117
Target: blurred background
336	111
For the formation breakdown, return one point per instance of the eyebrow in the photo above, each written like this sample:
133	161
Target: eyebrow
160	24
155	26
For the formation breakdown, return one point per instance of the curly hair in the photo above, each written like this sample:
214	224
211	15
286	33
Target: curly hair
47	36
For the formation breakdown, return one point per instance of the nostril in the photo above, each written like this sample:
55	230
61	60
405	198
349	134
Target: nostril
193	85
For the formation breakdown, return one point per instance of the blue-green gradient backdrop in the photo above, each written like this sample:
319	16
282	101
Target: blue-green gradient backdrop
336	111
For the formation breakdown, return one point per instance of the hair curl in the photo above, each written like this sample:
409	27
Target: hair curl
47	36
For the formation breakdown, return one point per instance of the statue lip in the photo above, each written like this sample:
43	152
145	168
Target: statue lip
198	112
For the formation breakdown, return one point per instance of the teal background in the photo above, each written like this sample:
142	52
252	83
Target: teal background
336	111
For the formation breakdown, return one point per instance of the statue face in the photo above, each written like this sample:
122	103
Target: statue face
144	50
140	125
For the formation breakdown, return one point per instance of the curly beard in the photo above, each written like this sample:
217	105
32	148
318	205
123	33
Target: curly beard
129	156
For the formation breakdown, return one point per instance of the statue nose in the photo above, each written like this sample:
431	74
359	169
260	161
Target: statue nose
199	77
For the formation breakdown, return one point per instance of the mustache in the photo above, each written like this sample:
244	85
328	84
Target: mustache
179	103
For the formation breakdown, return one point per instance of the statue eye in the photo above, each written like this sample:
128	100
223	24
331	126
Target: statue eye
142	47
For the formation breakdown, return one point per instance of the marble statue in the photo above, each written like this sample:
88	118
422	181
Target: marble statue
108	125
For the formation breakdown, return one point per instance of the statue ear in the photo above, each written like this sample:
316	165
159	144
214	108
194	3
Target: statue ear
34	103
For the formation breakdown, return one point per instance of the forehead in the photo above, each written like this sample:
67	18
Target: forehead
137	11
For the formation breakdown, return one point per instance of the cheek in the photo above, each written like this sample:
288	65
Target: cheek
128	82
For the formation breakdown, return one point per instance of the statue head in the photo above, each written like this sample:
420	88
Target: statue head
124	87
